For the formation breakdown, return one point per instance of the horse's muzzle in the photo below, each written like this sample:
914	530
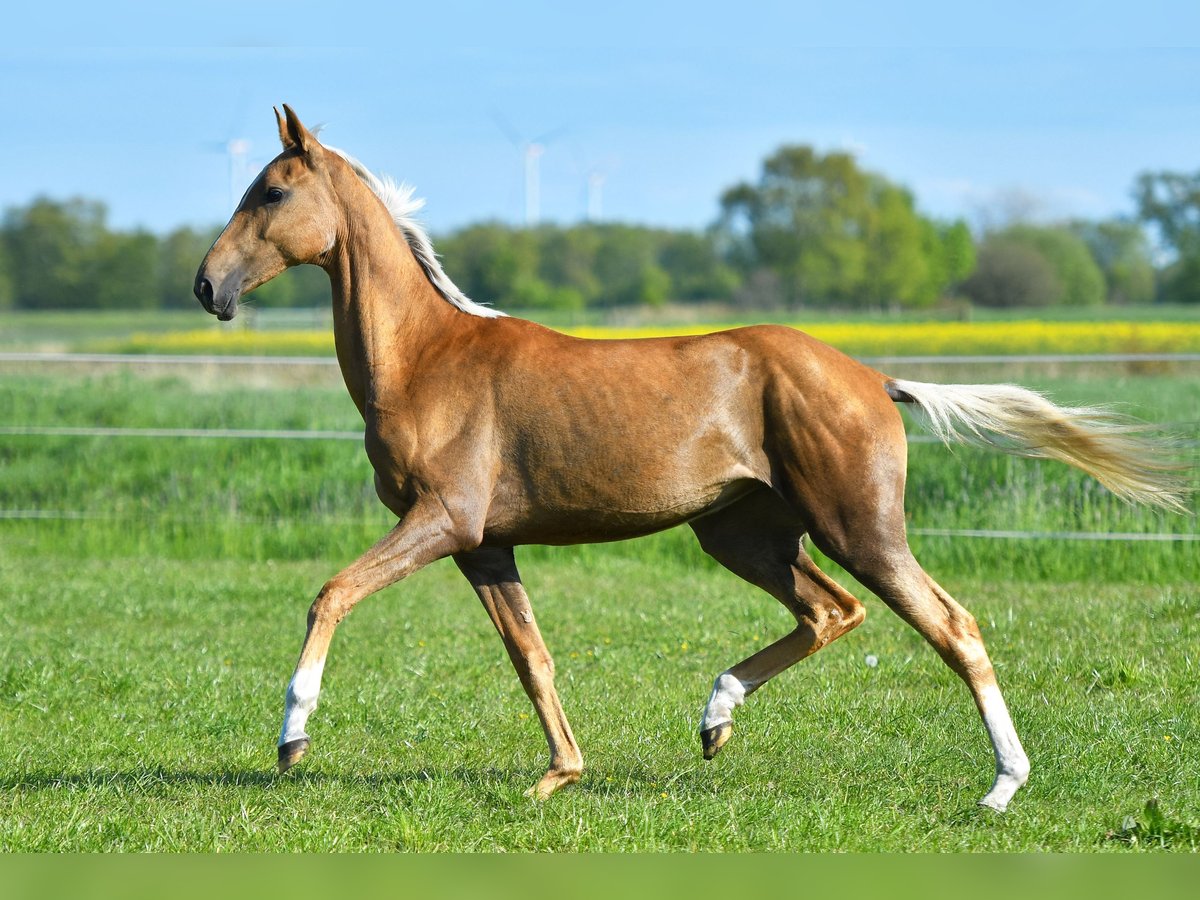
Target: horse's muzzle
224	303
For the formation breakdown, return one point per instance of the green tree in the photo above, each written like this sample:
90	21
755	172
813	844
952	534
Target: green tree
1081	283
1011	273
1181	280
6	279
567	261
806	219
695	267
179	256
494	264
898	260
52	251
627	268
834	234
957	252
311	287
1170	201
124	272
1122	251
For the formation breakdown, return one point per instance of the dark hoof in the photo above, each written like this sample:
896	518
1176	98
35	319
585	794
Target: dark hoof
714	738
291	753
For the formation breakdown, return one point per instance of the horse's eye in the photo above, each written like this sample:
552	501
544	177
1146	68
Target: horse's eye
274	195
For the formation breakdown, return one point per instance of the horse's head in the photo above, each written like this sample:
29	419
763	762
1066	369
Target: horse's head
287	217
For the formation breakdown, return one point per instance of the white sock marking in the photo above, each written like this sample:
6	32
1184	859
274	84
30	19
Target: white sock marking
1012	765
727	693
302	694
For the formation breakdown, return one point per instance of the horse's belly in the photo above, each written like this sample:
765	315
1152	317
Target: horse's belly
543	515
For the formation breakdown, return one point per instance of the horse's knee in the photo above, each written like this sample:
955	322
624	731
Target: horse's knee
332	603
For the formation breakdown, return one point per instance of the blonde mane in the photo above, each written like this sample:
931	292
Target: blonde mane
400	203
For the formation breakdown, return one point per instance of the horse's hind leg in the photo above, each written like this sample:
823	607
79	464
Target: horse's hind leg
852	498
759	539
952	631
493	574
866	536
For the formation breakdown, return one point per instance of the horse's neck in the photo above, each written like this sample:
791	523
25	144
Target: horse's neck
384	308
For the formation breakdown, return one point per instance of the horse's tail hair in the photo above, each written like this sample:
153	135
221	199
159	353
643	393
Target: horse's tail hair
1110	447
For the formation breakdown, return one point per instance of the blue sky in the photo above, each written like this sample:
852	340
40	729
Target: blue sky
673	102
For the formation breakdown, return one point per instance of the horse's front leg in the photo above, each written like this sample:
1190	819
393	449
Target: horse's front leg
493	574
426	533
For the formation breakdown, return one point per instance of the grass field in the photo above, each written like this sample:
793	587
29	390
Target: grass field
148	637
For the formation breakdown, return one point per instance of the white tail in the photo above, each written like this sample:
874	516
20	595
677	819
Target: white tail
1023	422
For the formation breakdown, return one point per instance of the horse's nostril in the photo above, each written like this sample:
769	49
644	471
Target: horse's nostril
204	293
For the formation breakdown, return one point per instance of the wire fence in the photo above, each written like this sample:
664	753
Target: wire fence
51	358
281	434
81	515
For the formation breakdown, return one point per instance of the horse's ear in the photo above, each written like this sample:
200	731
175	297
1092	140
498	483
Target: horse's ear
284	137
292	131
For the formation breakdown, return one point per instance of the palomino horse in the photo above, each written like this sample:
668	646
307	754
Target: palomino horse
486	432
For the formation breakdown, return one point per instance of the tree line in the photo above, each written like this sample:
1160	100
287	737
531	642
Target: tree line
813	231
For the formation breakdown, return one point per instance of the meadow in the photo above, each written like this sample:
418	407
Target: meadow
153	593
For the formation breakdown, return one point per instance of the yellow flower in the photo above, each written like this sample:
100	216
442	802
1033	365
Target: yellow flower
854	338
965	338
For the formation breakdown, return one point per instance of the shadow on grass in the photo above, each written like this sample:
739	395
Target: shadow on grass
133	779
636	781
506	787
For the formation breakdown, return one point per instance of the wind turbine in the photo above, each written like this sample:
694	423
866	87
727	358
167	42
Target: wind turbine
236	150
595	195
594	175
531	155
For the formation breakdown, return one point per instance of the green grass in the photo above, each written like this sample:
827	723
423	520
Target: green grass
61	329
142	697
262	499
145	652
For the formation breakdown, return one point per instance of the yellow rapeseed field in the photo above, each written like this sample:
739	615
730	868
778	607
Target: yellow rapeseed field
856	338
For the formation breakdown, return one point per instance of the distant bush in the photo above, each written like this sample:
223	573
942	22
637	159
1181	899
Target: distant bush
1011	273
